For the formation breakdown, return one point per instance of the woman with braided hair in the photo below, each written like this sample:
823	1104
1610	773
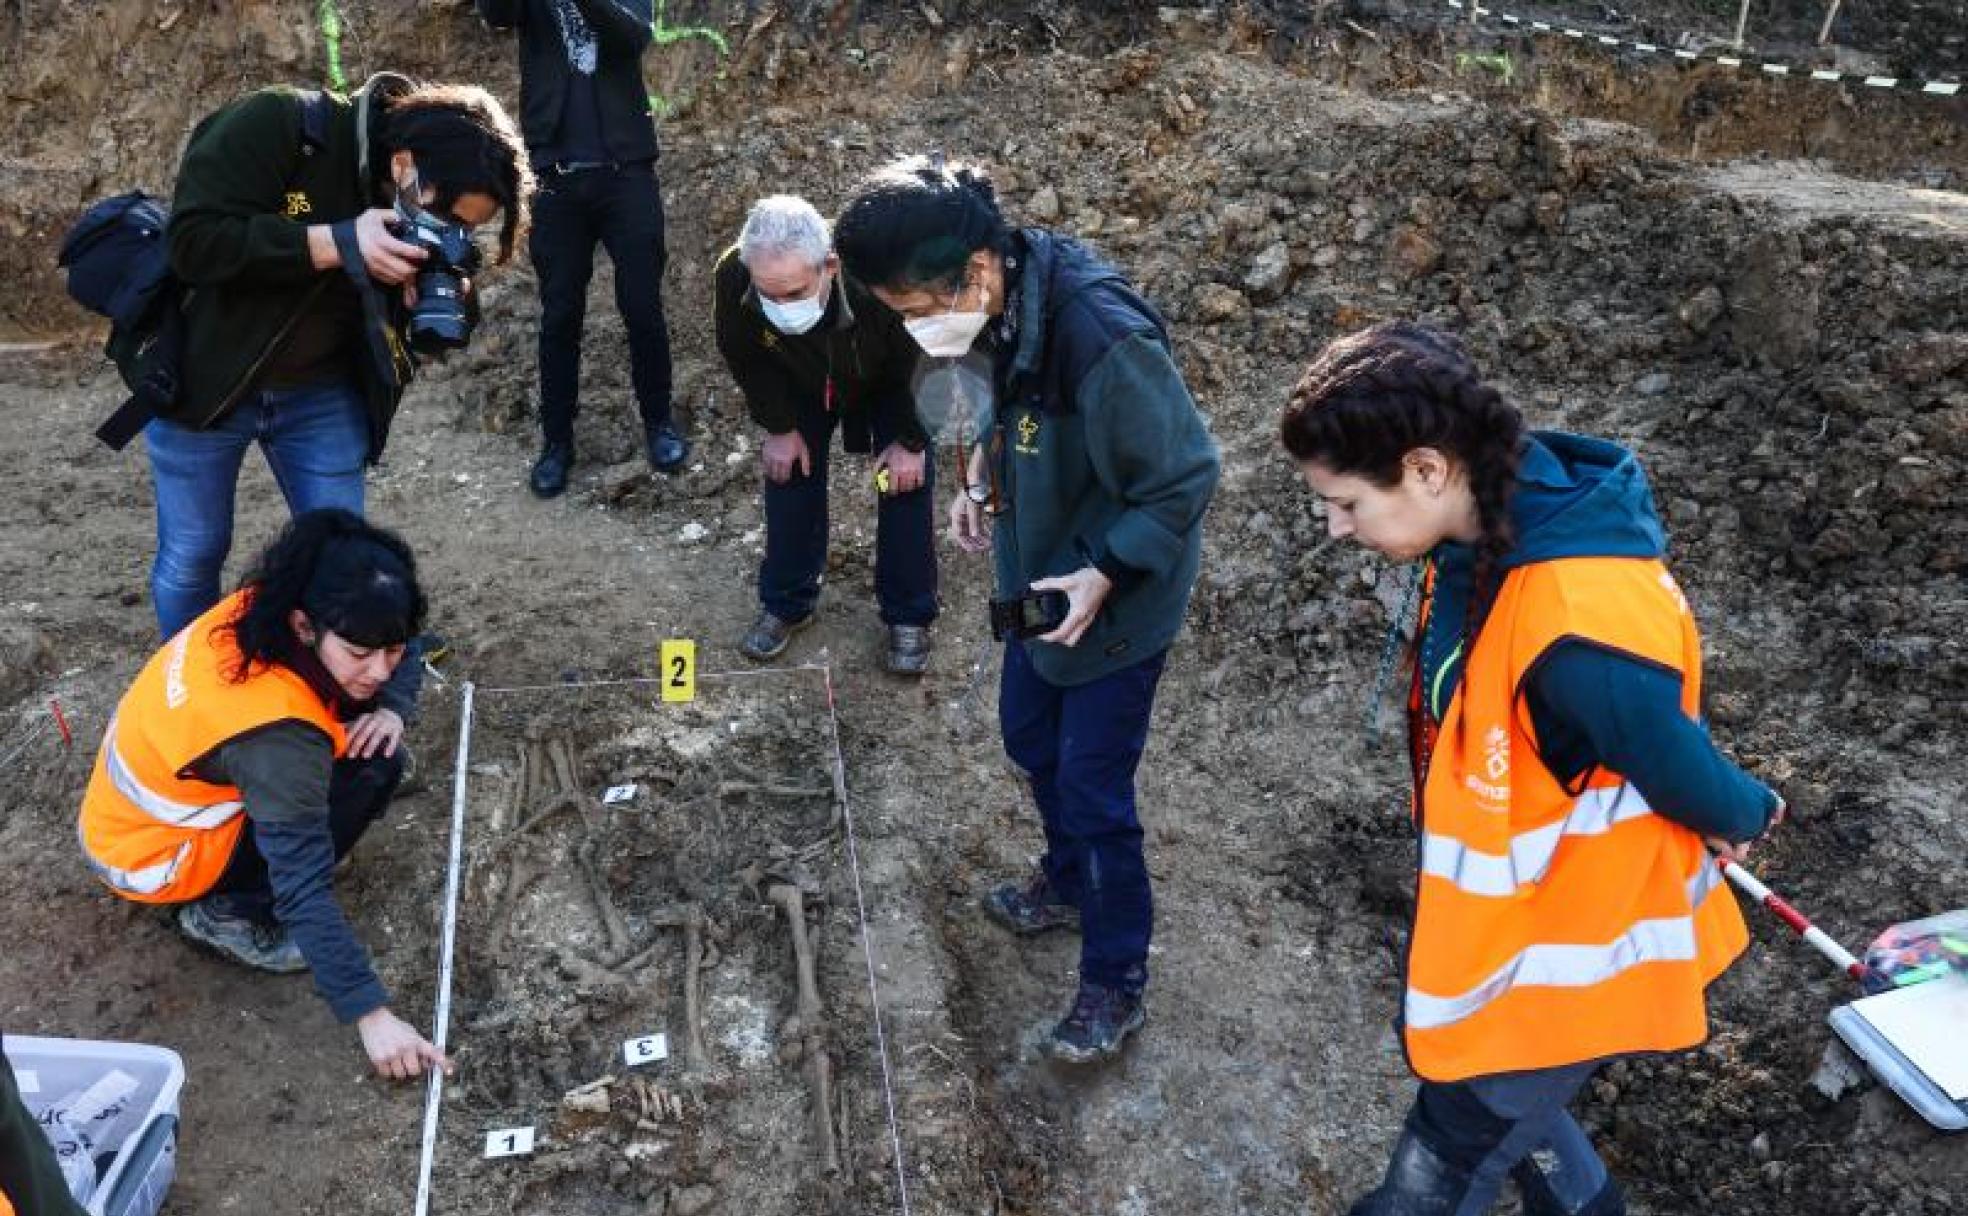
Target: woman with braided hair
1565	790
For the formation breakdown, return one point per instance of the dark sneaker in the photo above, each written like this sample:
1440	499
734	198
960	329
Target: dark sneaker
550	471
908	650
240	938
667	449
1101	1020
769	635
1032	908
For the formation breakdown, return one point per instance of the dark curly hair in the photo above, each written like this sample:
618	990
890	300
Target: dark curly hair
1372	397
465	143
915	222
347	575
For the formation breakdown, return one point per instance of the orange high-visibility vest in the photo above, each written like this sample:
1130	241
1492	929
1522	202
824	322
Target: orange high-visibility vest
1558	926
151	830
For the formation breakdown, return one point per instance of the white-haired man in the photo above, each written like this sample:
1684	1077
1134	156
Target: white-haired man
812	350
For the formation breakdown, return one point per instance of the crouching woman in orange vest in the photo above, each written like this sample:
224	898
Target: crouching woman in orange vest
250	755
1568	910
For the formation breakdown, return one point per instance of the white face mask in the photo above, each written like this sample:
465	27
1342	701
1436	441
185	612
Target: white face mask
950	335
797	316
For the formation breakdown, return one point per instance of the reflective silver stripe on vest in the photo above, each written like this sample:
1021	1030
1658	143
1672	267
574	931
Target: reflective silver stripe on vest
1668	940
147	881
1594	813
1706	879
156	805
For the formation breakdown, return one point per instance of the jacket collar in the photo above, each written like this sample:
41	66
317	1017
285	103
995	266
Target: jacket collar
370	101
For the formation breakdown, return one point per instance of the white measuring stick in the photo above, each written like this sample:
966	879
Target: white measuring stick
1818	939
434	1088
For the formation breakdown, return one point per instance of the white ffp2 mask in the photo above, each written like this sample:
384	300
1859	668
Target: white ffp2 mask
797	316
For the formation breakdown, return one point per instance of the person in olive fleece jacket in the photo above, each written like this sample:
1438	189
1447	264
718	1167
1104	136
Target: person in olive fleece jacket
285	344
811	349
1099	468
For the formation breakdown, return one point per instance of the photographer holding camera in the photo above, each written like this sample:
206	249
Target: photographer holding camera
1089	480
324	242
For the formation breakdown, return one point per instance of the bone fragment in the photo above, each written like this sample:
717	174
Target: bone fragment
812	1017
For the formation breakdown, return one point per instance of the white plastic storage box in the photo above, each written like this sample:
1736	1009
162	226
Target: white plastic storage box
143	1139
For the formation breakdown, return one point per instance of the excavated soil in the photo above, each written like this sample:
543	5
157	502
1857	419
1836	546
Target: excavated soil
1785	342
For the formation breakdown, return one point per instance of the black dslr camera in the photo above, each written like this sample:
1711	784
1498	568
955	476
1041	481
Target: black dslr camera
439	322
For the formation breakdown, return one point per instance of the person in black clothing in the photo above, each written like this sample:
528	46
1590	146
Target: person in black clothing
588	127
31	1182
812	349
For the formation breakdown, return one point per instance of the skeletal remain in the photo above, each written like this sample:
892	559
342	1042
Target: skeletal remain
730	788
525	870
688	917
812	1021
619	938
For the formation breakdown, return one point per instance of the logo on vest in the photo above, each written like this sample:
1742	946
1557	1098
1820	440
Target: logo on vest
1494	794
175	692
1496	753
297	204
1028	436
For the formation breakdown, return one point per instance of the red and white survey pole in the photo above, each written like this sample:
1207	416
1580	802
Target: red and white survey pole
1817	938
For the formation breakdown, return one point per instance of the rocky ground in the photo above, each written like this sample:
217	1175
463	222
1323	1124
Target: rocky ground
1786	344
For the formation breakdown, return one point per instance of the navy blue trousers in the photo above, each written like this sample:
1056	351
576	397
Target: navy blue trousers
1080	747
796	537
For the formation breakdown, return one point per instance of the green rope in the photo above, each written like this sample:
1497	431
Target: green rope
331	36
665	34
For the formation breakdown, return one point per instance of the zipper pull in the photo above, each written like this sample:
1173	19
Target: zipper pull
830	394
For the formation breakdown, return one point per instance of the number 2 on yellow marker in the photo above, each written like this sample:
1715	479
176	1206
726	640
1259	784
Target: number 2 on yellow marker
679	664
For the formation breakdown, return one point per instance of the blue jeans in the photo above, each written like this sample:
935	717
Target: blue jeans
796	538
315	440
1080	746
1462	1139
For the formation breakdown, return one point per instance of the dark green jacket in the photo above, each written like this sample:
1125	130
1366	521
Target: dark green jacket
859	345
1102	455
249	186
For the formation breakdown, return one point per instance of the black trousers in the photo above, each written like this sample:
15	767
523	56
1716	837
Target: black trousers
621	209
29	1176
359	791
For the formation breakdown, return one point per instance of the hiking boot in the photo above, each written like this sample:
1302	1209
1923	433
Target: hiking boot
908	650
550	471
1101	1020
769	635
1033	908
667	449
212	924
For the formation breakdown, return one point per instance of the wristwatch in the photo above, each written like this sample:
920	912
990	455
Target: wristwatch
978	493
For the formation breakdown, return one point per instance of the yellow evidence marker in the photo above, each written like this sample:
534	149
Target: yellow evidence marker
679	664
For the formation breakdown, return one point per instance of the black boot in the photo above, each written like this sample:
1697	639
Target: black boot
550	470
1541	1200
1418	1183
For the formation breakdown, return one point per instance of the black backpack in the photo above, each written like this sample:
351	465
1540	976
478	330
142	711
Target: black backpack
119	267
